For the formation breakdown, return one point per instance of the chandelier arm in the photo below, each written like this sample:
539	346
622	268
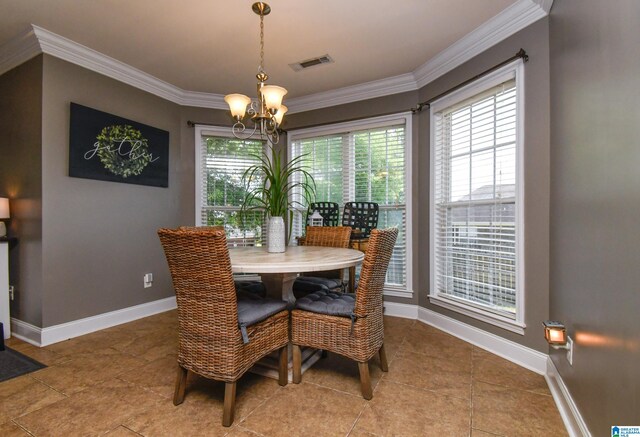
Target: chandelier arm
239	129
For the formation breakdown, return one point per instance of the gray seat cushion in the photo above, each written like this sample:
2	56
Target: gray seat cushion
301	288
252	311
327	302
256	288
310	284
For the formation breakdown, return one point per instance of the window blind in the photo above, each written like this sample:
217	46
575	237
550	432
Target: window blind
366	165
224	161
475	199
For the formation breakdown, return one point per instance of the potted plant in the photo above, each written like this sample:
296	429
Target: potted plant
270	185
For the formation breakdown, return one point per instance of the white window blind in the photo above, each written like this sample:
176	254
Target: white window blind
475	199
367	165
223	161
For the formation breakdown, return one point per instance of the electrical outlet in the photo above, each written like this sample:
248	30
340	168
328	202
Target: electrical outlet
570	350
12	291
148	280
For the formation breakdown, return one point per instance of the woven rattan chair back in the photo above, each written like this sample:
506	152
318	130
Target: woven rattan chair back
200	268
361	216
327	236
373	273
330	212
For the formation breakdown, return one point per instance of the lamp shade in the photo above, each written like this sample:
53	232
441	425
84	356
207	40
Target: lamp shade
280	114
237	104
4	208
272	95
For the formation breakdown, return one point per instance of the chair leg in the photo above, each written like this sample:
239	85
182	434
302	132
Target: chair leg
365	380
283	371
181	383
297	364
229	403
383	359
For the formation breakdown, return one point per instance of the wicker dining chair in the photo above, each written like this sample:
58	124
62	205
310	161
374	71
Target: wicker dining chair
326	236
219	336
348	324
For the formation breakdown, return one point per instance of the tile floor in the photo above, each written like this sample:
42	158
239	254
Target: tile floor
119	382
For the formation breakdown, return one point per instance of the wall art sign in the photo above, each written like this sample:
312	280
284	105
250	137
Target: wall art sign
110	148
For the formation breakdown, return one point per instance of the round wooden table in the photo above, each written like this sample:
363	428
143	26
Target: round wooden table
279	270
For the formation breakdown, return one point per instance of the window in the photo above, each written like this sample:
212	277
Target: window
476	200
221	161
365	161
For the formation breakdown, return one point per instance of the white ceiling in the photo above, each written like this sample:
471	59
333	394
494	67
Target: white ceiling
213	46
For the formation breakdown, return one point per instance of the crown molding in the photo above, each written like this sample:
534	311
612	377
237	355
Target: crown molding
64	48
363	91
18	51
203	100
511	20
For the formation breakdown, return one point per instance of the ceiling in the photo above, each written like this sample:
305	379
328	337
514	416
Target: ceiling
213	46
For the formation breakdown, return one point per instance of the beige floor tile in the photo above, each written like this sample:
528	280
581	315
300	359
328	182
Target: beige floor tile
360	433
121	431
442	375
199	414
96	410
397	326
426	340
158	376
150	347
478	433
403	410
40	354
86	370
493	369
340	373
10	429
238	431
14	342
22	395
506	411
305	409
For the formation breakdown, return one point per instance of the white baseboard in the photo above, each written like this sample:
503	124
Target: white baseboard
76	328
403	310
573	421
25	331
509	350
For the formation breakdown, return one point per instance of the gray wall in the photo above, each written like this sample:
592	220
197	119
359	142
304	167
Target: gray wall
595	204
21	181
99	238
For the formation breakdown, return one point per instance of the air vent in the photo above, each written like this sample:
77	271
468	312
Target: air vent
313	62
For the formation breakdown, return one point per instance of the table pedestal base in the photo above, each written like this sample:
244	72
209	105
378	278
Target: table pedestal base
268	366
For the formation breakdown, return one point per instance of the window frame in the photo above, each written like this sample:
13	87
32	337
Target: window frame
477	311
220	132
371	123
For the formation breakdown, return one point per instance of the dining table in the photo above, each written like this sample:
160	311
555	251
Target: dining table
278	271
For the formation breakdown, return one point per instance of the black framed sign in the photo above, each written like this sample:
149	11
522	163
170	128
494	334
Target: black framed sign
110	148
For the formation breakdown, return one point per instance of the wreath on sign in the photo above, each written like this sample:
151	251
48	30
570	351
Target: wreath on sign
123	150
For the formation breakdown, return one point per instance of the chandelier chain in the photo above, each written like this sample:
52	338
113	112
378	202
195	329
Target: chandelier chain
261	69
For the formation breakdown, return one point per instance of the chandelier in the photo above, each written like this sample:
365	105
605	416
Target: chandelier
267	112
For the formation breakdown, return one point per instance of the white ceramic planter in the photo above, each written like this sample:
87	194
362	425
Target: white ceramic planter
276	235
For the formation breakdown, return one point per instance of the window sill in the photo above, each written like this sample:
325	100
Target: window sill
398	292
478	314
